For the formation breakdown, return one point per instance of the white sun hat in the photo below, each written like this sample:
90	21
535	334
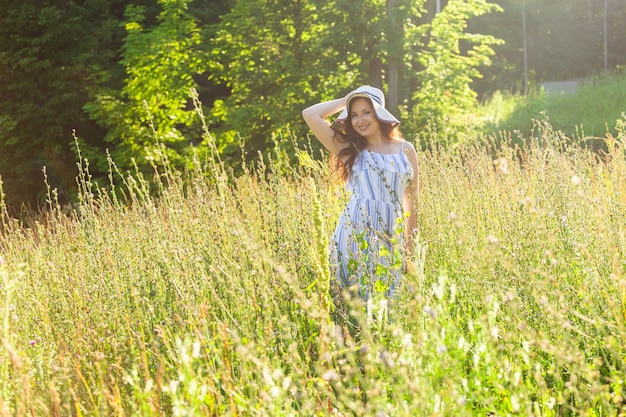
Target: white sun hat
378	101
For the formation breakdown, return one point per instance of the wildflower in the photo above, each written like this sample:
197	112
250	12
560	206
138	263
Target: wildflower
32	343
287	383
494	332
576	180
173	386
462	343
441	349
527	201
492	240
430	311
502	164
195	353
386	359
407	341
514	404
330	375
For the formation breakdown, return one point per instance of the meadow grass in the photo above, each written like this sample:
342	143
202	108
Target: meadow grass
205	293
584	115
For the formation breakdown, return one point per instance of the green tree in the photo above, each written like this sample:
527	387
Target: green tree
271	56
450	58
277	56
49	52
151	119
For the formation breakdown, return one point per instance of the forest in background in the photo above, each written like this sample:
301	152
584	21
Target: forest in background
119	74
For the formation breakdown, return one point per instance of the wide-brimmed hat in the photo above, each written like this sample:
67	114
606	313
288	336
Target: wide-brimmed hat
378	101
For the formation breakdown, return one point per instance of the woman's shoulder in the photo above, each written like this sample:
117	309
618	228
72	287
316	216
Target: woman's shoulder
406	145
408	149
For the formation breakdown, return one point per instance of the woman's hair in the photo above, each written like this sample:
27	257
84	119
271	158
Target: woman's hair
344	161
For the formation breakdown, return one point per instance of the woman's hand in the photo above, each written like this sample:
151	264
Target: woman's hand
315	117
409	265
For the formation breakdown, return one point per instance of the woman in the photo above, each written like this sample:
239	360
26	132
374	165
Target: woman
380	170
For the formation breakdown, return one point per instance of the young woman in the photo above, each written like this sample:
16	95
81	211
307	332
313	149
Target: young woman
380	170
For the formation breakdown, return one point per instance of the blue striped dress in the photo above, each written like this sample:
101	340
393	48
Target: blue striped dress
368	242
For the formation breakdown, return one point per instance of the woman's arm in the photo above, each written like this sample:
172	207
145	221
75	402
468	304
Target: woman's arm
315	117
410	201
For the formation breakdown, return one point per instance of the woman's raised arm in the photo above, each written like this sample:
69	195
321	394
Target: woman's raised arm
315	117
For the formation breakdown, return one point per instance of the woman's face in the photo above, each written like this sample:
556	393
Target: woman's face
363	118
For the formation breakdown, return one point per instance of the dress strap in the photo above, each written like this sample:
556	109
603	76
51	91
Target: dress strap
402	149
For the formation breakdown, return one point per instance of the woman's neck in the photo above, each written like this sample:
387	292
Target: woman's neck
382	145
374	142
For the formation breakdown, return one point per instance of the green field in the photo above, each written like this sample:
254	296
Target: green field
207	294
584	115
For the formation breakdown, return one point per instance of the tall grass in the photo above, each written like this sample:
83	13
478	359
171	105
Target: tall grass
211	296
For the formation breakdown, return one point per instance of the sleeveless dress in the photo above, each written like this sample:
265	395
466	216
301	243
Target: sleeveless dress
368	242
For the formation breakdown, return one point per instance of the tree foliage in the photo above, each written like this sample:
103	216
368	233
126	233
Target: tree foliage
285	54
150	118
273	57
47	53
450	60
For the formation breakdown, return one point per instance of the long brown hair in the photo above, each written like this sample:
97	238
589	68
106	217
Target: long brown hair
345	133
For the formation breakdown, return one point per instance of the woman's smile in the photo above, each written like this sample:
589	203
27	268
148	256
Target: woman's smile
362	127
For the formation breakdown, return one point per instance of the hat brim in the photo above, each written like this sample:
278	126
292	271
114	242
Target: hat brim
382	114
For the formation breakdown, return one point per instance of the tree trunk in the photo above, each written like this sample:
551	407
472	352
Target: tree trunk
376	72
395	49
393	85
